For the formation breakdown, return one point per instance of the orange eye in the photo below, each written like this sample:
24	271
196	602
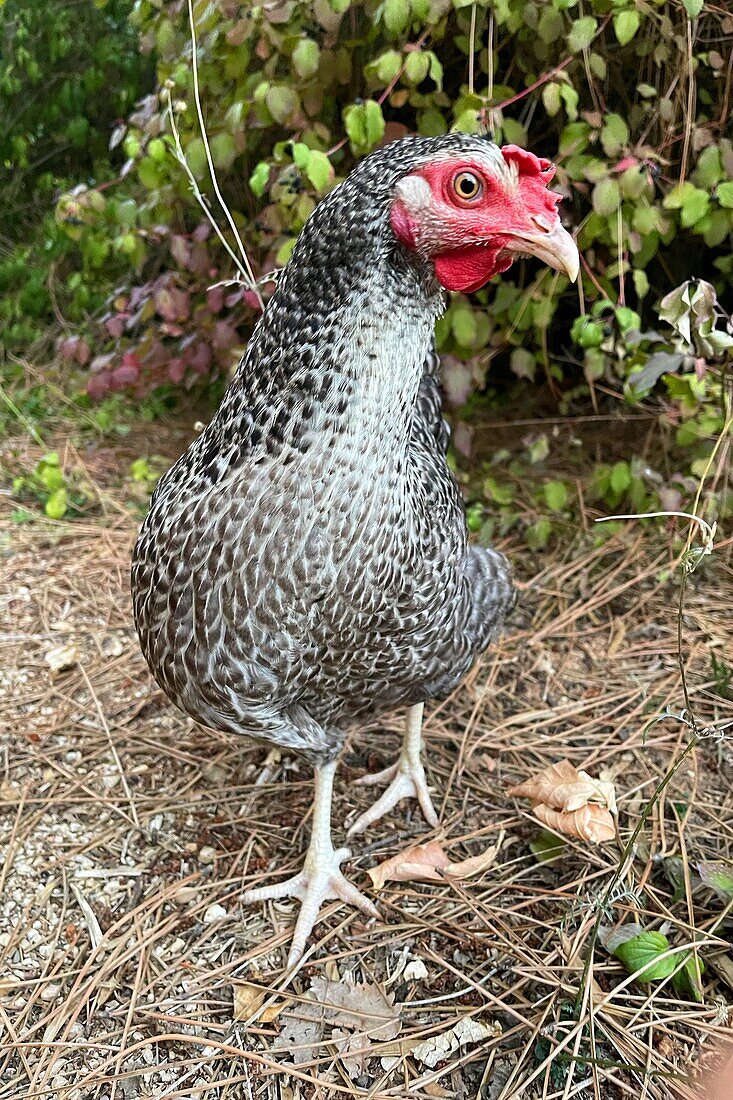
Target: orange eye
467	186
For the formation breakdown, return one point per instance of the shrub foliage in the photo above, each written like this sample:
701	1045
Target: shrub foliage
629	99
70	70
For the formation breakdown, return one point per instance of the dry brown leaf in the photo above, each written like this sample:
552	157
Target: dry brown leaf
439	1047
562	787
474	865
424	863
418	864
249	998
349	1016
592	823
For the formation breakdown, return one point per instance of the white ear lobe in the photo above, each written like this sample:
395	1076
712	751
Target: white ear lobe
415	194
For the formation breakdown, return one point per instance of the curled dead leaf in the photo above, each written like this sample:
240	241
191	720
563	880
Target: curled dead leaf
417	864
249	999
429	863
562	787
592	823
475	865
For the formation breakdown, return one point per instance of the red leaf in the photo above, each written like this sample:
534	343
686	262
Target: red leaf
176	370
98	386
215	299
124	376
173	304
115	325
180	251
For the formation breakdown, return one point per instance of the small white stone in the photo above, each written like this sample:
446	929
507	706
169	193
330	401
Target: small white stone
214	912
50	991
63	656
207	855
110	781
415	971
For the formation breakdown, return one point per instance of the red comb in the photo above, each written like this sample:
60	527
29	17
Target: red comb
527	163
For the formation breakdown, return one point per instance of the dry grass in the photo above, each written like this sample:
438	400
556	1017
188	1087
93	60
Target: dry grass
124	823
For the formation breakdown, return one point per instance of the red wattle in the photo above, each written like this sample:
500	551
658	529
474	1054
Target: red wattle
468	268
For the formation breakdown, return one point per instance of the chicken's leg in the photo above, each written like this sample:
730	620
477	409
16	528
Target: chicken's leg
320	878
407	777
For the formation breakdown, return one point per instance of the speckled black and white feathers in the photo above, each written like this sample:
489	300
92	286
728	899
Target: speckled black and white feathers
306	560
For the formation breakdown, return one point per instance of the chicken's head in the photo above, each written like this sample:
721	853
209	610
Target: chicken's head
473	214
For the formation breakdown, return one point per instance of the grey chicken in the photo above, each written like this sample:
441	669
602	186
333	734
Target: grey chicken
306	562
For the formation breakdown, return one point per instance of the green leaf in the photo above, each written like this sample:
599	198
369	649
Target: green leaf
319	170
625	25
282	102
223	151
556	495
688	979
539	449
718	876
538	535
550	26
464	325
258	179
693	7
156	149
570	98
644	952
614	135
676	198
374	122
586	333
606	197
500	494
56	505
546	847
355	123
695	208
396	16
436	70
387	66
523	363
574	138
709	168
306	58
725	195
641	283
627	318
149	174
620	477
417	67
582	33
551	98
301	155
196	158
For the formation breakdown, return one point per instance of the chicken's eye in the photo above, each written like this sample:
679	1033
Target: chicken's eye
467	186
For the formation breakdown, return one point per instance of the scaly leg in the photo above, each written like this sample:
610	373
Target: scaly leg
407	777
320	878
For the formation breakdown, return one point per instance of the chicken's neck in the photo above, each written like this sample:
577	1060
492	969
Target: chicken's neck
340	351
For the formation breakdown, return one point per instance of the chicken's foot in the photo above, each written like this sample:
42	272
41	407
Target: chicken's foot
321	878
407	777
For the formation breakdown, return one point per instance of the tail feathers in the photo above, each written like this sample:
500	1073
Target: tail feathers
493	594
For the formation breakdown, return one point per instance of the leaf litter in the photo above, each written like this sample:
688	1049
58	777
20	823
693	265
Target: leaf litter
147	1009
570	801
348	1016
430	863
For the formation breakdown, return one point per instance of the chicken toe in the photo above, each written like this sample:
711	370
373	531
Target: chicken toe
320	878
407	778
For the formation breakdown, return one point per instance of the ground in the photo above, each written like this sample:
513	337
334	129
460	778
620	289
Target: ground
130	834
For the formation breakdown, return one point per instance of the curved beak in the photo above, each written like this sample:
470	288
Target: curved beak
555	247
